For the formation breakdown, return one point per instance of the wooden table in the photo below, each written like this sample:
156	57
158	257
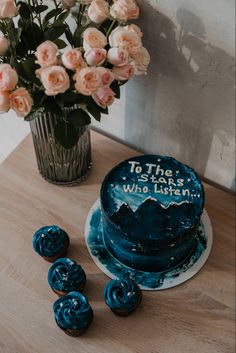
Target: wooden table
196	317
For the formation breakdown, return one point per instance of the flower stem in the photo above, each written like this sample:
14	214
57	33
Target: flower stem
55	3
81	13
110	28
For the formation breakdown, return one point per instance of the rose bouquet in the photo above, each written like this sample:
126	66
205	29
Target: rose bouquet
58	55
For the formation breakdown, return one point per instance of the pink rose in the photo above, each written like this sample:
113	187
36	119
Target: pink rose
124	10
134	28
118	56
4	101
124	39
54	79
141	60
67	4
106	76
8	78
98	11
93	38
46	54
123	73
4	45
21	102
87	81
8	9
95	56
104	97
72	59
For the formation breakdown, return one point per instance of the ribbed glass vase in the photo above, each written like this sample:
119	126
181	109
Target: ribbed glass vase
57	164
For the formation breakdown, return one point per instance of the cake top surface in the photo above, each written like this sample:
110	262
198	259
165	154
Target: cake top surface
152	179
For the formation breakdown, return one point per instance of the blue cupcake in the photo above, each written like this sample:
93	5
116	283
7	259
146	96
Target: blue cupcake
73	313
65	276
122	296
51	242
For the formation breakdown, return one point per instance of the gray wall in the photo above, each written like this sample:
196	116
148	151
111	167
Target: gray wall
185	106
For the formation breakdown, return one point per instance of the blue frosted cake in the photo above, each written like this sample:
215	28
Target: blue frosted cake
151	208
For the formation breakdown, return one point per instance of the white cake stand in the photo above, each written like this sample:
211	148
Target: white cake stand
147	280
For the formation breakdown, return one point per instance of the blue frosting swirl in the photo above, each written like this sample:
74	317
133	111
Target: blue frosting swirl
122	295
49	240
73	312
66	275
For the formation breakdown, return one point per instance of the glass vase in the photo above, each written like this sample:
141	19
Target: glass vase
57	164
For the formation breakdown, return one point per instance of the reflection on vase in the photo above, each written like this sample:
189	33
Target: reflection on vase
57	164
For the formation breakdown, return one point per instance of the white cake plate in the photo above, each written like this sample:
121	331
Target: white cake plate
147	280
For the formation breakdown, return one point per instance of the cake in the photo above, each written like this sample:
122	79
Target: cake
65	275
150	208
73	313
51	242
122	296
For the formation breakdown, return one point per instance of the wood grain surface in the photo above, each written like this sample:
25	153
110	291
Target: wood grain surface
195	317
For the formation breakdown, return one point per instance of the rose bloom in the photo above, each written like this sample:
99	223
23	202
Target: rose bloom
72	59
118	56
124	10
98	11
104	97
141	60
46	54
87	81
4	45
21	102
8	9
8	78
124	39
106	76
123	73
4	102
134	28
67	4
93	38
54	79
95	56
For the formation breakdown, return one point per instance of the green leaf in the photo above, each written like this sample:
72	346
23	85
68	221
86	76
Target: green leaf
116	88
24	10
122	83
66	134
51	14
78	36
92	103
40	8
14	34
70	98
34	114
78	118
31	36
55	32
92	109
37	98
63	16
50	105
60	43
69	35
28	68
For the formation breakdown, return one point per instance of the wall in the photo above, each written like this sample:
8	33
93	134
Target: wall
185	106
